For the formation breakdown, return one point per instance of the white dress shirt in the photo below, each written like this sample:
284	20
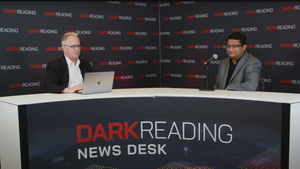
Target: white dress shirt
75	77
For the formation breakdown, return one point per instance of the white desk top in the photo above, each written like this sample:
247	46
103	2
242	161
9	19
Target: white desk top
223	94
53	97
154	92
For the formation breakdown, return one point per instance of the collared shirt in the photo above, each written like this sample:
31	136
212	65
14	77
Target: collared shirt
75	77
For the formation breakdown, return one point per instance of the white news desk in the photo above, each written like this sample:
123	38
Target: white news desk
209	127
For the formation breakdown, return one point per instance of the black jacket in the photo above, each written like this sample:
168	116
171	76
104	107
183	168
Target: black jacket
57	74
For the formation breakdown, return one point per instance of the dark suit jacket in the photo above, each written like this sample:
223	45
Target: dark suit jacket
245	77
57	74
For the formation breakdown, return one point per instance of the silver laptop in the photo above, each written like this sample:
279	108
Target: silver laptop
98	82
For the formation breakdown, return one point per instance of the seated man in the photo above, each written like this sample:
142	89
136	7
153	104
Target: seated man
65	74
240	71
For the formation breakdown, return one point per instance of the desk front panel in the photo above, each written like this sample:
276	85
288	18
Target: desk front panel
153	133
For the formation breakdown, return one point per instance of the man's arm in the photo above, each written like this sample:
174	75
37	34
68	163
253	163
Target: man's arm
52	80
217	84
221	72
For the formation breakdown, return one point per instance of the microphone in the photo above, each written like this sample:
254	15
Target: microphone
215	56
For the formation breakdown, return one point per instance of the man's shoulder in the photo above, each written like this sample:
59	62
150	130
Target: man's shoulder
252	58
84	62
225	60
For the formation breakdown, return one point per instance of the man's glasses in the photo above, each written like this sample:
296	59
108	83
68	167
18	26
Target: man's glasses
74	46
232	46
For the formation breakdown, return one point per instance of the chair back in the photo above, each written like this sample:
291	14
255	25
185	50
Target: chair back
261	85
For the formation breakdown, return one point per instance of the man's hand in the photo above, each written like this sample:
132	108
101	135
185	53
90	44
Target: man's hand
73	89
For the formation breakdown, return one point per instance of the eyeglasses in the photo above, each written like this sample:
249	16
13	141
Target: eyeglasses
233	46
74	46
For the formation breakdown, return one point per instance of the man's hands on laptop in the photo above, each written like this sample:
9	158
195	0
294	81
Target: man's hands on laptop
73	89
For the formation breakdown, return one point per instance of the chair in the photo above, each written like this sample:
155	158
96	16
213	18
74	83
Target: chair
261	85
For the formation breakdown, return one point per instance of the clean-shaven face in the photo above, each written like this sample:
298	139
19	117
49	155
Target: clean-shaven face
72	48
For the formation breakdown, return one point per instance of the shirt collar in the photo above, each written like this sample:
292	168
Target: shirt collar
70	63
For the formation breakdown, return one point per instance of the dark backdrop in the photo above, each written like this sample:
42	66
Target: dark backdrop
192	31
119	36
147	43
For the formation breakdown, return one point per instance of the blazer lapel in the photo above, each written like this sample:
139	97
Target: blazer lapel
239	65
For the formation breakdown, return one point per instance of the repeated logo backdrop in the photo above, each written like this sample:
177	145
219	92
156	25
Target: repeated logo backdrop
192	31
116	35
148	43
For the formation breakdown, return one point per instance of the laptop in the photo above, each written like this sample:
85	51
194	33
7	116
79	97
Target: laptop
97	82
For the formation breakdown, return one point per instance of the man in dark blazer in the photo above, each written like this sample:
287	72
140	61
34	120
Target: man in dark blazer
66	74
241	70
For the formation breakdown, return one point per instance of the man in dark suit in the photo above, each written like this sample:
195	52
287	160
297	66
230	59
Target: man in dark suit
241	70
65	74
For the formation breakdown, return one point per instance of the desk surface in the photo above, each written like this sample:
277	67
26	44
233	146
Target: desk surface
155	92
51	131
